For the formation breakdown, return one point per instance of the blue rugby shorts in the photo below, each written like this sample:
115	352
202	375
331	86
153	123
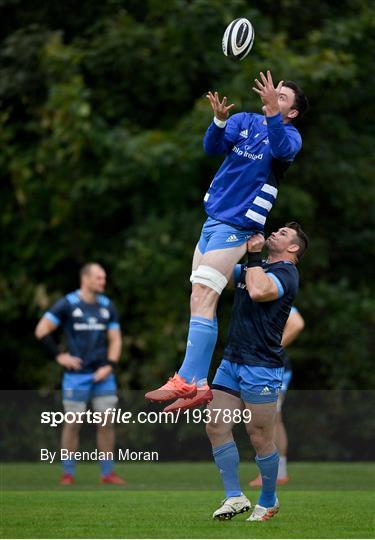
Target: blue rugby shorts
253	384
218	235
81	386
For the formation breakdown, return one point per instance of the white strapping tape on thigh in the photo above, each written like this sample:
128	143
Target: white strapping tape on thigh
192	275
208	276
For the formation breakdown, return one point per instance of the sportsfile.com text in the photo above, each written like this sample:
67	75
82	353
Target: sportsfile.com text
118	416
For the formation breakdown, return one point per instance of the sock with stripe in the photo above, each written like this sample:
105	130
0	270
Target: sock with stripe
106	466
199	349
227	459
268	466
69	466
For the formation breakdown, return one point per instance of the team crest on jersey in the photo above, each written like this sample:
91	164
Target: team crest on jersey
77	313
104	313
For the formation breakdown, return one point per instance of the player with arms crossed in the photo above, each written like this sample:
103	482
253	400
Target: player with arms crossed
250	374
294	326
92	331
258	151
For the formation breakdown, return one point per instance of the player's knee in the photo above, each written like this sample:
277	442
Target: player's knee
200	296
216	429
260	437
72	427
105	428
209	278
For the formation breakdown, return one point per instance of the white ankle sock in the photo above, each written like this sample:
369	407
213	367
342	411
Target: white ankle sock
282	472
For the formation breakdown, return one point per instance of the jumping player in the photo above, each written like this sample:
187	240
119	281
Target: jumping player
258	149
92	331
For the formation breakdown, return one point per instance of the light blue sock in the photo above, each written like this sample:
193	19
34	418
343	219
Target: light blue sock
106	466
268	466
69	466
227	459
199	350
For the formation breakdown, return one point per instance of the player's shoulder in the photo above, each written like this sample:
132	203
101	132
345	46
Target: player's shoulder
237	118
72	298
103	300
248	117
284	266
292	129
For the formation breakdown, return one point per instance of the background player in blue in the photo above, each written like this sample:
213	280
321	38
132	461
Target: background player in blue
93	338
250	374
294	326
258	149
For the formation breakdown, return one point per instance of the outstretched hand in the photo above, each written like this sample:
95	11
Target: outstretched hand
220	108
268	93
256	243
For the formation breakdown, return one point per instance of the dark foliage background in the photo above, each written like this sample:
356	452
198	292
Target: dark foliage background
101	125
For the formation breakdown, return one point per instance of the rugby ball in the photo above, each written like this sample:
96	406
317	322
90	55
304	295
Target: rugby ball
238	39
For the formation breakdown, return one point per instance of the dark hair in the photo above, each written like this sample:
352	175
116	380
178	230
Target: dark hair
301	102
302	238
86	268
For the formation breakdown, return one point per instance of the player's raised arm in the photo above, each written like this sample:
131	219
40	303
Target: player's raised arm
260	286
220	135
282	105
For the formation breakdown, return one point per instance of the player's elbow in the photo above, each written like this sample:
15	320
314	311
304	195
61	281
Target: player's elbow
38	332
257	295
284	154
300	324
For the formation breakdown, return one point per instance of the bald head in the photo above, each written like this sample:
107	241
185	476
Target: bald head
93	278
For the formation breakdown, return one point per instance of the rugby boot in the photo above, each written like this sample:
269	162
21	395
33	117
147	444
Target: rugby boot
67	479
260	513
202	397
112	478
232	506
175	387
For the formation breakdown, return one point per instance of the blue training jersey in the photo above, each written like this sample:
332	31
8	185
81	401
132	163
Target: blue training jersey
85	327
256	328
258	152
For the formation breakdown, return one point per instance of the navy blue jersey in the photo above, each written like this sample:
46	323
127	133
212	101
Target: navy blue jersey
256	328
258	152
85	327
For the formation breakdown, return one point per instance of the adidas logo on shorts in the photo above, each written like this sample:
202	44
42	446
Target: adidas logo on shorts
266	390
232	238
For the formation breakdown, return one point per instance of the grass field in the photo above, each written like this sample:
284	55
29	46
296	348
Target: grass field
176	500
